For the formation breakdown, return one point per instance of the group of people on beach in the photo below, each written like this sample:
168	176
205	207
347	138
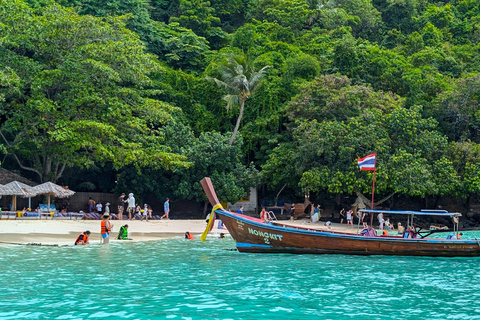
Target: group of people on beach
97	207
106	227
133	210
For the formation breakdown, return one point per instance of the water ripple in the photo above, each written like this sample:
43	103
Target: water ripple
178	279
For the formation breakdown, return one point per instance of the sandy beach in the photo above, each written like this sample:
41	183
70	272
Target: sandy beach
64	232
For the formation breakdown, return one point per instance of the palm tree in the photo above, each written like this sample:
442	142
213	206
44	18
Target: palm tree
240	80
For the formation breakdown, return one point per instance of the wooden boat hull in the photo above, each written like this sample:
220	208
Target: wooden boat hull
254	236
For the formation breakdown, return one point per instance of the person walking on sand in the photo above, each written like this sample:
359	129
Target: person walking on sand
292	212
131	205
91	204
106	228
166	208
120	206
342	215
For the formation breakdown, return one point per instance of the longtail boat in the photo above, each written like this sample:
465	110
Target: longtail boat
258	236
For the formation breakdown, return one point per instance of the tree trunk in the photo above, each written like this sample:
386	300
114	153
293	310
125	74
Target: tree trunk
278	194
238	122
435	203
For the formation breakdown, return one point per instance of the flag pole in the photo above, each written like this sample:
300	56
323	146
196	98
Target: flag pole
373	190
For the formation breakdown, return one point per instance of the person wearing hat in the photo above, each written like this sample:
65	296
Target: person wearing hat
82	238
131	205
106	228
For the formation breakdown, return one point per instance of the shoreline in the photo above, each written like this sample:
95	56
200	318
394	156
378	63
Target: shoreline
64	232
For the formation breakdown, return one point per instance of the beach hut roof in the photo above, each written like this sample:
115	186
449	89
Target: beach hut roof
7	176
53	189
16	188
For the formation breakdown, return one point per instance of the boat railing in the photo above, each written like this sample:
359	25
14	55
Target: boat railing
271	216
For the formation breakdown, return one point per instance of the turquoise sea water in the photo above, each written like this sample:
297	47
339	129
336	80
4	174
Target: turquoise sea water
181	279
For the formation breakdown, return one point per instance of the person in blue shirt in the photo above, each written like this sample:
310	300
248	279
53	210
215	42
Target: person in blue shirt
240	211
166	208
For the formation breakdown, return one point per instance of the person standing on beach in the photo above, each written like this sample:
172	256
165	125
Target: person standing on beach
121	203
106	228
342	215
350	218
145	213
292	212
131	205
91	204
380	221
240	210
317	211
166	208
99	207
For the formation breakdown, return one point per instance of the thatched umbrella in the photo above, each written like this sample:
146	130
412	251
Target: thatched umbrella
15	189
52	189
7	176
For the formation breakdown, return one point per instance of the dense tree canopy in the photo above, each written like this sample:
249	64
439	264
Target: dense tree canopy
124	85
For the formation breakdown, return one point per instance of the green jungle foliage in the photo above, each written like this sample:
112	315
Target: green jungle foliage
158	94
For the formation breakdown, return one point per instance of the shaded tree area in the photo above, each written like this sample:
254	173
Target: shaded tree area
121	88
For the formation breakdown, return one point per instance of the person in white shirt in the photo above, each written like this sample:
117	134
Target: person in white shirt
99	208
131	205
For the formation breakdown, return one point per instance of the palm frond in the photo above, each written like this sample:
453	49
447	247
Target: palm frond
232	100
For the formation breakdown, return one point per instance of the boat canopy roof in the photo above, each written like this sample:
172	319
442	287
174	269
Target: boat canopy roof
425	212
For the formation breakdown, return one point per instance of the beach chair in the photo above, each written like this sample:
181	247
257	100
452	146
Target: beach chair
76	215
43	208
60	216
28	215
114	216
7	215
89	216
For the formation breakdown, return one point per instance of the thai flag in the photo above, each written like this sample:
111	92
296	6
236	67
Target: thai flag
368	162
